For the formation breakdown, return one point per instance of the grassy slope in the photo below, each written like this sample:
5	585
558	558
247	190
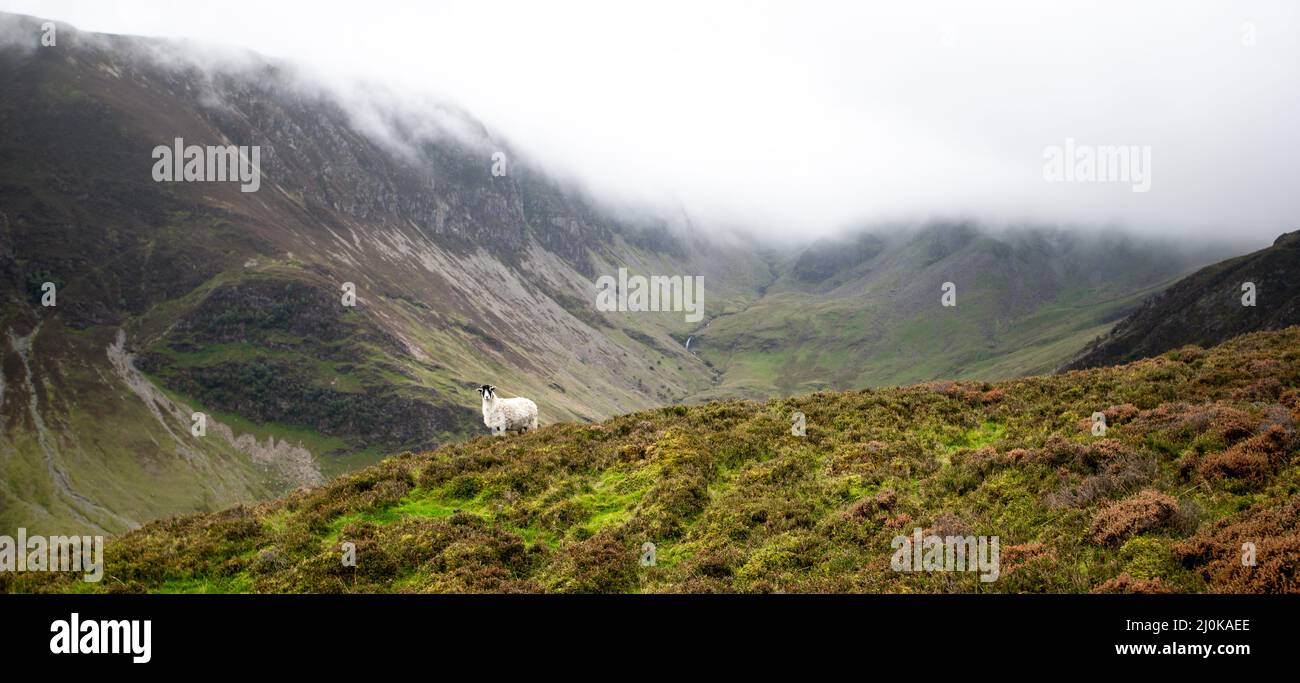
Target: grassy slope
103	439
794	342
1200	458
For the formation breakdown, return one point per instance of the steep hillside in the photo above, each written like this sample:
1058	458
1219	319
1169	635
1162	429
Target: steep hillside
1208	307
1200	458
231	302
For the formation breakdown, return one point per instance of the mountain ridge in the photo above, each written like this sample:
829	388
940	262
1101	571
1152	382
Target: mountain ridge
1208	307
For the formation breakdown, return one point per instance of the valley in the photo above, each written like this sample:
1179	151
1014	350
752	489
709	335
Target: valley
176	297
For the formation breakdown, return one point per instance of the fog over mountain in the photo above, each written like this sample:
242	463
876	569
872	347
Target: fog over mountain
802	119
747	298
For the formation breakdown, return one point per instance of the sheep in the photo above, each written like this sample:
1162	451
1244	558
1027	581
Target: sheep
506	414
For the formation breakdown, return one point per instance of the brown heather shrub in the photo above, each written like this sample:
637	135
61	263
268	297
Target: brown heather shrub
961	391
1162	416
1057	451
1221	421
1291	399
1014	556
1187	354
871	506
1252	460
562	515
1280	415
1144	511
1264	367
716	562
993	396
1127	584
1030	568
1121	413
1262	390
981	460
1216	552
385	494
1019	456
296	540
1082	456
1123	474
1228	424
461	549
942	386
600	564
898	521
1107	451
948	524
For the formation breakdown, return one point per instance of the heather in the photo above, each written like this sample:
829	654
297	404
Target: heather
1197	460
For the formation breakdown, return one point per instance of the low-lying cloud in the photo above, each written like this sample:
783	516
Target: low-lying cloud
803	118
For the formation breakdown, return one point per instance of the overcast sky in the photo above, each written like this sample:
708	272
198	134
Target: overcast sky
803	117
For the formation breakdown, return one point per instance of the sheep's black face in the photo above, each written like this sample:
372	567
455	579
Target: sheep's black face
486	391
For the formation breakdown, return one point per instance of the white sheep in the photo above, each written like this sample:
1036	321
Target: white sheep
506	414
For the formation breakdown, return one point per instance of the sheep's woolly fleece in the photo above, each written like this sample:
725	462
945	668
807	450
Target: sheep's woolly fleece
506	414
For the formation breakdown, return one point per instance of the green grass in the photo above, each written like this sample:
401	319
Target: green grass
789	343
735	503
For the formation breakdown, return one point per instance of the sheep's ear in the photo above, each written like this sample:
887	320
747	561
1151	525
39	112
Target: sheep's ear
492	388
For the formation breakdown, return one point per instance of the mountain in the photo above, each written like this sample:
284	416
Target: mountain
1200	457
1208	307
180	297
173	299
867	309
